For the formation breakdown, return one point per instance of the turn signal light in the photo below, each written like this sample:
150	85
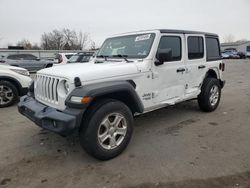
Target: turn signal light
77	99
222	66
86	99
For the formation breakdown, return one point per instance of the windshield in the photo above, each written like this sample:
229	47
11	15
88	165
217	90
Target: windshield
79	58
132	46
73	59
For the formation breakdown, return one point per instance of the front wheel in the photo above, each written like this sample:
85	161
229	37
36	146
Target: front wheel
8	94
209	97
107	129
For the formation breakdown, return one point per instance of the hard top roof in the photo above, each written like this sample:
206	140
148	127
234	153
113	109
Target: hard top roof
186	32
172	31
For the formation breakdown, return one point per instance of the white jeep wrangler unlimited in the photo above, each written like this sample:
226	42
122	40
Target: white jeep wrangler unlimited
132	73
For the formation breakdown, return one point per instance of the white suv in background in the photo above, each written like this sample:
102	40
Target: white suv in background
14	82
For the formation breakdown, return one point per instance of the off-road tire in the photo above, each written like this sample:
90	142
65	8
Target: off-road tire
204	97
92	120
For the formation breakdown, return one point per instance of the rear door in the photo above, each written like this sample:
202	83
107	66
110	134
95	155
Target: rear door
169	78
195	62
22	62
31	62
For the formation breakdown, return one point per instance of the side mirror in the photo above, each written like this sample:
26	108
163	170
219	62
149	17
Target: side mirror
163	55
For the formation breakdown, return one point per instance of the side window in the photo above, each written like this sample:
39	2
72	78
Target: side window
30	57
69	56
21	56
173	43
13	57
248	48
213	49
195	47
85	58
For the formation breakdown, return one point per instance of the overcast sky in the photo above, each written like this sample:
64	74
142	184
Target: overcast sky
28	19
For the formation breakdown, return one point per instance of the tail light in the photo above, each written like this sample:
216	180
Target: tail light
60	59
222	66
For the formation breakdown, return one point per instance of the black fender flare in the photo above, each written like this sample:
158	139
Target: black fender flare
121	90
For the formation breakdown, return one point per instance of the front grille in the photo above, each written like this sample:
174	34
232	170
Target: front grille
46	88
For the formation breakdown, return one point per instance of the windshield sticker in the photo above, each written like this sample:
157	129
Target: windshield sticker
142	37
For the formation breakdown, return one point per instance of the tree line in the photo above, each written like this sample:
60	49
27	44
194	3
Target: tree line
67	39
63	39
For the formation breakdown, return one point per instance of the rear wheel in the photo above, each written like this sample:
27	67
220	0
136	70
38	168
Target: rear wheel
107	129
209	97
8	94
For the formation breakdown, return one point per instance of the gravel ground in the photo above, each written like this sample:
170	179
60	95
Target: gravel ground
178	146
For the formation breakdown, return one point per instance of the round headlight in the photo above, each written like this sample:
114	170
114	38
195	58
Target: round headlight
63	88
66	86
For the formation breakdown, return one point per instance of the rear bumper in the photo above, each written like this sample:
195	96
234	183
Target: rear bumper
61	122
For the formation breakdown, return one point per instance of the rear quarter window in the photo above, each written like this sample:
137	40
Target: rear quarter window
213	49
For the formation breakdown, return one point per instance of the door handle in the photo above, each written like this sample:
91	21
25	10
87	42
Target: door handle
202	67
180	70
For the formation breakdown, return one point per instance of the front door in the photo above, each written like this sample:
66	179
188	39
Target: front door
169	78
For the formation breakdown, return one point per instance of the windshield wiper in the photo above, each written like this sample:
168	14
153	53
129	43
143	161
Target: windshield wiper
122	56
103	56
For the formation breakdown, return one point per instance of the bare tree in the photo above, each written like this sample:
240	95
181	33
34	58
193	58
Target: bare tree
70	38
64	39
45	41
28	45
25	43
93	46
35	46
229	38
84	40
242	40
58	39
53	40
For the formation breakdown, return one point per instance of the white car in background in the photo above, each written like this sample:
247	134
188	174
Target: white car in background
14	82
62	58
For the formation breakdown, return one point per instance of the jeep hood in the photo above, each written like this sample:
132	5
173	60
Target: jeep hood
91	71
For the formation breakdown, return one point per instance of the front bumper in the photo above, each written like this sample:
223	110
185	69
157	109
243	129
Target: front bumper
61	122
23	91
222	83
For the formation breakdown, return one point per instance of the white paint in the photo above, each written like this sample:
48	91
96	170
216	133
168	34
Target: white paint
157	86
5	70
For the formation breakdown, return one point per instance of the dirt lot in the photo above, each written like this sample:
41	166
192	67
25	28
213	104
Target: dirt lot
176	146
